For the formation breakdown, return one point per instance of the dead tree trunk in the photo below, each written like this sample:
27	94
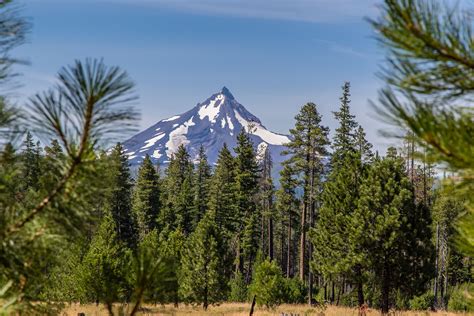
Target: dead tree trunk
254	300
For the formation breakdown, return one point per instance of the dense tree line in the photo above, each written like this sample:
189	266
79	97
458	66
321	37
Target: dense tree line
343	225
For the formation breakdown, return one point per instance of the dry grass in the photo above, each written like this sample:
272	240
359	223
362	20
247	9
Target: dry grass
232	309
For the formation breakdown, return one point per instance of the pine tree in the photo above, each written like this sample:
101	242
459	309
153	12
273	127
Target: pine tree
65	280
54	151
152	277
146	201
201	279
8	154
11	180
268	285
53	161
287	204
344	141
119	201
223	204
363	146
307	147
249	243
105	265
201	186
223	193
383	227
179	200
247	186
339	198
171	247
31	163
332	249
238	288
266	197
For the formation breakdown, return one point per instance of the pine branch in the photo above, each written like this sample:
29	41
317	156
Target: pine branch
86	88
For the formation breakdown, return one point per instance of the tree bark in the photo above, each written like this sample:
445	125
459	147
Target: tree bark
436	280
302	243
282	249
270	231
311	222
444	295
339	292
262	233
325	291
360	287
254	300
239	266
288	255
205	303
412	159
385	288
333	294
360	293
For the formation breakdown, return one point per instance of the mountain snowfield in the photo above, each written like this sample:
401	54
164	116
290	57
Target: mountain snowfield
212	123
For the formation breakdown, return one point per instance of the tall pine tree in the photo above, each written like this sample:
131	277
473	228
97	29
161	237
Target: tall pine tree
363	146
266	197
201	279
223	193
307	148
119	202
201	185
103	269
287	203
332	256
344	141
247	186
146	202
31	163
179	201
384	229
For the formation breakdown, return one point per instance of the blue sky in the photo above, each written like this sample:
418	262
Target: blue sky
274	55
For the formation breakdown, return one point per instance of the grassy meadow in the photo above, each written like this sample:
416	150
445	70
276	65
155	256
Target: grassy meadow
239	309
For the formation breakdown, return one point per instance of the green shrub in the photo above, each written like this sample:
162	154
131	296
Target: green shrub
295	291
372	293
349	299
461	298
238	289
402	300
422	302
320	296
268	284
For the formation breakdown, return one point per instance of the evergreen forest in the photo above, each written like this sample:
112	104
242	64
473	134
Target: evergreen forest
342	224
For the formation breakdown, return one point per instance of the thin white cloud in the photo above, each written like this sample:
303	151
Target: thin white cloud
302	10
344	49
299	10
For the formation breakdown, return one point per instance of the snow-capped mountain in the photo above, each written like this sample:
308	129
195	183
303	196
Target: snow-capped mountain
212	123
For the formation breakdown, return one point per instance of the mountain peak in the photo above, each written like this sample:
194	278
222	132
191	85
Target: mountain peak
227	93
212	123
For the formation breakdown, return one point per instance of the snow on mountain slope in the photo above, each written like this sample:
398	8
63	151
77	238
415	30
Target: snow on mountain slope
211	123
